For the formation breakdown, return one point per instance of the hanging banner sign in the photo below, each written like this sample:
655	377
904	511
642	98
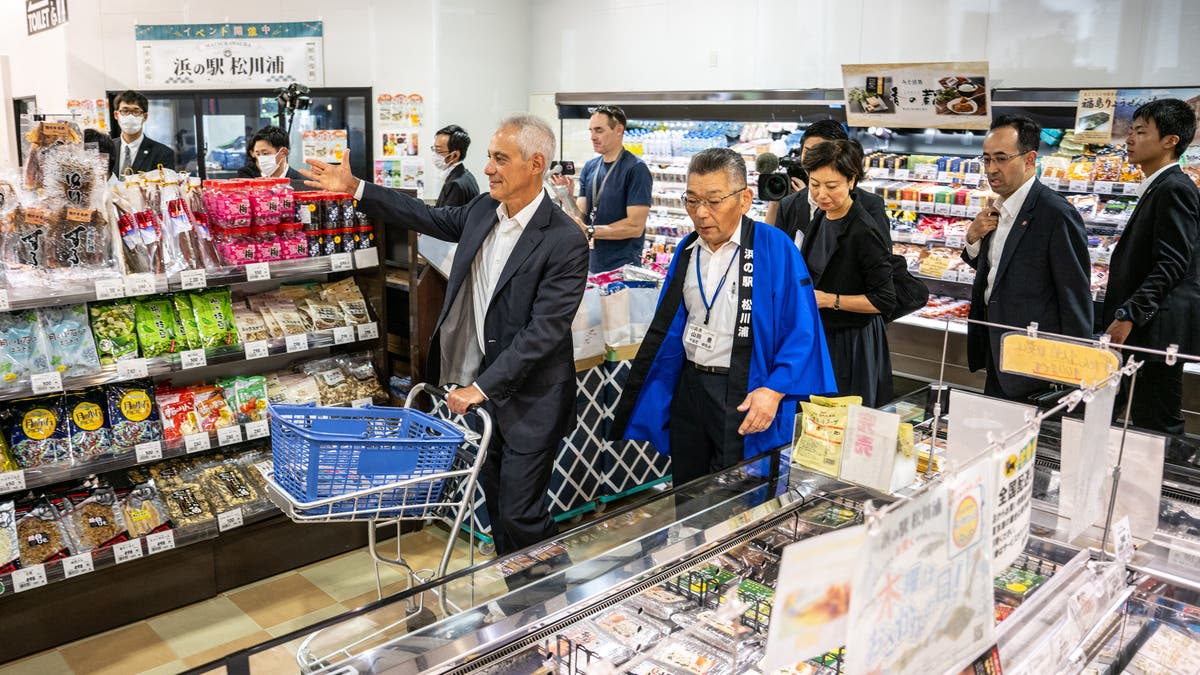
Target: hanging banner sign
43	15
1094	115
946	95
230	55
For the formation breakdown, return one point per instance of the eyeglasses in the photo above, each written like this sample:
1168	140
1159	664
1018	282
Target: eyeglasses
693	203
435	150
130	111
610	110
1002	158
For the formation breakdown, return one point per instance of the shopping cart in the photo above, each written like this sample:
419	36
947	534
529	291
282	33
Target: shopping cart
380	465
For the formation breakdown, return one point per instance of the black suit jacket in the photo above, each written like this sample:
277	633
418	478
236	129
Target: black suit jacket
794	213
528	369
857	264
1044	275
460	187
1155	269
150	154
251	170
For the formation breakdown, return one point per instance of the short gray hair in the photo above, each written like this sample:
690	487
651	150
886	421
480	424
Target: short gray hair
713	160
534	135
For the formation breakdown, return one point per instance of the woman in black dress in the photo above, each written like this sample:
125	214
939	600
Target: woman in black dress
852	277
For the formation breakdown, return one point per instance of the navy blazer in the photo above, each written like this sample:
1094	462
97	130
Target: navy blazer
528	369
1044	275
1155	268
460	187
149	156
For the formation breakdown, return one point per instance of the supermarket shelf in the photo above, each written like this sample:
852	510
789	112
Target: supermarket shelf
191	360
145	453
974	180
938	325
940	177
30	578
677	210
147	284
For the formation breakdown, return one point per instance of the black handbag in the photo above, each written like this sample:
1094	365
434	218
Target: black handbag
911	293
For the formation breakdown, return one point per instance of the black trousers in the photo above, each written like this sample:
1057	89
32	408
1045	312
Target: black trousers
1157	398
514	482
698	420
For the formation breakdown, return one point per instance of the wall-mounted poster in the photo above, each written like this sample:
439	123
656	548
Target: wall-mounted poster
946	95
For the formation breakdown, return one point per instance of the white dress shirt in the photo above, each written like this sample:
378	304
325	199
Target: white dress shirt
1008	208
133	152
494	252
713	265
1145	185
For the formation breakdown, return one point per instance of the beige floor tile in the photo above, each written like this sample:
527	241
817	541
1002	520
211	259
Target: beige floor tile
166	669
38	664
281	659
307	620
127	650
349	576
198	627
281	600
371	596
201	658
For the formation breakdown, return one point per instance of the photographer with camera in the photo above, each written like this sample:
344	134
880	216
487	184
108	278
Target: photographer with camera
794	213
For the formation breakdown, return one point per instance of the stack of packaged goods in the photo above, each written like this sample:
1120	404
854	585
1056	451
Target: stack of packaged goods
331	223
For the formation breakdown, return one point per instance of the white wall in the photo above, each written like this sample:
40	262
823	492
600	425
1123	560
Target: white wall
639	45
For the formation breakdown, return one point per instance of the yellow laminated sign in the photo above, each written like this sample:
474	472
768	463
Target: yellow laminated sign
1056	360
820	428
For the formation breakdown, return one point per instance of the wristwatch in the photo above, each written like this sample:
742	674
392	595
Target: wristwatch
1122	314
591	232
837	302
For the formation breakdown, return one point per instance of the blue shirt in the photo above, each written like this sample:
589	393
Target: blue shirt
629	185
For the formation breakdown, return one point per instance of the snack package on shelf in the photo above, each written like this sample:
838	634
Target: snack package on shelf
141	233
42	534
190	337
87	424
295	388
40	137
69	337
114	329
247	396
206	243
133	414
332	383
187	505
82	244
364	381
158	329
143	510
10	551
178	410
227	486
95	519
212	410
37	432
24	349
213	310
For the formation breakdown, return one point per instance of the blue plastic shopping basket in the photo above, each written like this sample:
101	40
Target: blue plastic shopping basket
321	453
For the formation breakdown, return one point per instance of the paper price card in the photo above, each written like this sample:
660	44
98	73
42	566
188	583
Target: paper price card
1012	495
193	358
296	343
139	284
110	289
189	279
812	599
4	304
127	550
197	442
257	349
78	565
934	266
869	447
150	451
12	481
230	519
160	541
340	262
46	383
258	271
28	578
366	257
1094	115
257	429
1055	360
132	369
343	335
368	331
229	435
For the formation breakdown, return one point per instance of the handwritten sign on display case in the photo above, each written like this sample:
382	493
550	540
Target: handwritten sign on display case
1055	360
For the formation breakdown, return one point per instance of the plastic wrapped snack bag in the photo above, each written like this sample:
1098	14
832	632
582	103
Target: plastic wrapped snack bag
72	348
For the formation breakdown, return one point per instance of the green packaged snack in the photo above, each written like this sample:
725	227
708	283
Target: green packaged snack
251	398
113	325
157	329
214	317
187	320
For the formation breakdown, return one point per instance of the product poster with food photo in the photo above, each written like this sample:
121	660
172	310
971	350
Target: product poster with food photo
947	95
921	600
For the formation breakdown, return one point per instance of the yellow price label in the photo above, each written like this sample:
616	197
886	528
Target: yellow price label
1056	360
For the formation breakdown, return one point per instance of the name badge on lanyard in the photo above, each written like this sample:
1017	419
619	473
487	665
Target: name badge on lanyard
700	337
597	194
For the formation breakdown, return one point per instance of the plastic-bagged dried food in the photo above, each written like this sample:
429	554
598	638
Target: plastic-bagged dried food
273	328
724	635
190	333
214	317
38	137
170	474
41	536
659	602
9	550
23	348
178	410
97	521
212	410
249	324
584	634
289	320
630	630
323	315
349	298
687	657
187	505
113	327
132	414
227	486
38	432
363	380
87	424
143	510
157	328
248	397
72	349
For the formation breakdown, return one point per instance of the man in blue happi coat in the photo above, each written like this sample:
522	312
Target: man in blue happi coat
736	339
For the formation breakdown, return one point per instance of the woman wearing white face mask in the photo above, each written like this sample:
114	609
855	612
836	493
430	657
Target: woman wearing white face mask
268	151
137	153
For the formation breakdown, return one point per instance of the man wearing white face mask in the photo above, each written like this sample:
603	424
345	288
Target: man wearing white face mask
269	149
137	152
449	150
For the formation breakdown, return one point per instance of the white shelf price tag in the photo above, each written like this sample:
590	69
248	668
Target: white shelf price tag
1123	540
971	179
4	303
132	369
955	241
230	519
343	335
368	331
1078	186
942	209
918	237
958	210
258	271
189	279
1104	187
197	442
924	207
28	578
296	343
12	481
340	262
257	349
150	451
127	550
1052	183
361	402
973	211
193	358
160	541
139	284
229	435
944	177
1132	188
908	205
900	174
257	429
110	289
366	257
46	383
78	565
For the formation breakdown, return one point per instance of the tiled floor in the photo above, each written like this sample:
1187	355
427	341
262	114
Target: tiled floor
243	617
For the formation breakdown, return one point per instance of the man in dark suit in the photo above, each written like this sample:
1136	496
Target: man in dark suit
793	214
1029	251
1153	295
268	150
449	151
505	328
137	152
